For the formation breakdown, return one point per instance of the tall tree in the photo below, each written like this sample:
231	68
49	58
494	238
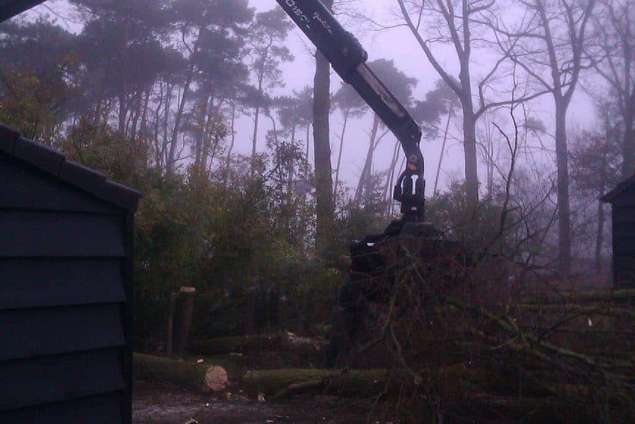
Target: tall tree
614	43
549	46
350	103
267	33
322	150
455	27
197	22
38	72
595	159
440	101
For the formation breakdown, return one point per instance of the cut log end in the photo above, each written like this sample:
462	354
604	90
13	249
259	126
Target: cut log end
216	379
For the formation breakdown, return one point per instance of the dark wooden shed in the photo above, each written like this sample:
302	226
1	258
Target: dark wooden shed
622	200
66	246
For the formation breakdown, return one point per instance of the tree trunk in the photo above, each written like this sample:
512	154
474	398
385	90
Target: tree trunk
171	159
390	179
445	141
564	210
254	138
599	240
204	377
322	151
231	145
471	163
365	175
339	156
308	146
200	134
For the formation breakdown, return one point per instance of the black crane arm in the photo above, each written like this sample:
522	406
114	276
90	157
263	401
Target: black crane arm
348	58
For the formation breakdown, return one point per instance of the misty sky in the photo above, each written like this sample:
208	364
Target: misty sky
399	45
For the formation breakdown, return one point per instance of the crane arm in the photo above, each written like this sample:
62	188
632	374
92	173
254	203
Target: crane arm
348	58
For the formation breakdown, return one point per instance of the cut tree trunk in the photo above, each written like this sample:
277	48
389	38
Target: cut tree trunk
197	376
183	319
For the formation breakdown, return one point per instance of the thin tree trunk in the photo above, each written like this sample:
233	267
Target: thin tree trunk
144	114
564	210
445	140
254	138
339	155
389	178
200	134
231	144
599	240
308	144
365	175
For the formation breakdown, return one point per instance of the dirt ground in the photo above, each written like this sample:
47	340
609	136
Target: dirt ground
163	404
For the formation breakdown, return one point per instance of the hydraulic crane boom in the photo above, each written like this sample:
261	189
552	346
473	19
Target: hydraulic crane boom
348	58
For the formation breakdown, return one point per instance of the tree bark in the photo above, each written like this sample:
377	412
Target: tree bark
232	143
471	163
564	209
322	151
254	139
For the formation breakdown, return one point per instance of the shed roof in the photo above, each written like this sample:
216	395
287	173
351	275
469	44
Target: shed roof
55	164
621	188
10	8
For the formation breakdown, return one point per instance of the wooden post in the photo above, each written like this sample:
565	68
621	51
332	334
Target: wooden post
183	319
169	348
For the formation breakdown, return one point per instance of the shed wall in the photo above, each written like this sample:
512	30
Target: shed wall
64	302
624	241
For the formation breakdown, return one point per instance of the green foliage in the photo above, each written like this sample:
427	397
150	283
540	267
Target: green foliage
479	228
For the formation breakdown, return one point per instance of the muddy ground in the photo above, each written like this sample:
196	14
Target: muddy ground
164	404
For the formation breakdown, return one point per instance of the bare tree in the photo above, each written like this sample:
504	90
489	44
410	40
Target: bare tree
614	43
549	45
458	27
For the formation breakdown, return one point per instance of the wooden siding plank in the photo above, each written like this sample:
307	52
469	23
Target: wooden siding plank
59	378
58	234
624	247
623	215
28	283
94	410
24	187
39	332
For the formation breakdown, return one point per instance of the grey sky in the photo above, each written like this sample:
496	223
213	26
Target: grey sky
399	45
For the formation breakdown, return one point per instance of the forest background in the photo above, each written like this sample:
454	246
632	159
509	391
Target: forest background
252	186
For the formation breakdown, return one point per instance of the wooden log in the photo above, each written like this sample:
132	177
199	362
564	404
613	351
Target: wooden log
617	296
258	343
280	383
203	377
170	324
